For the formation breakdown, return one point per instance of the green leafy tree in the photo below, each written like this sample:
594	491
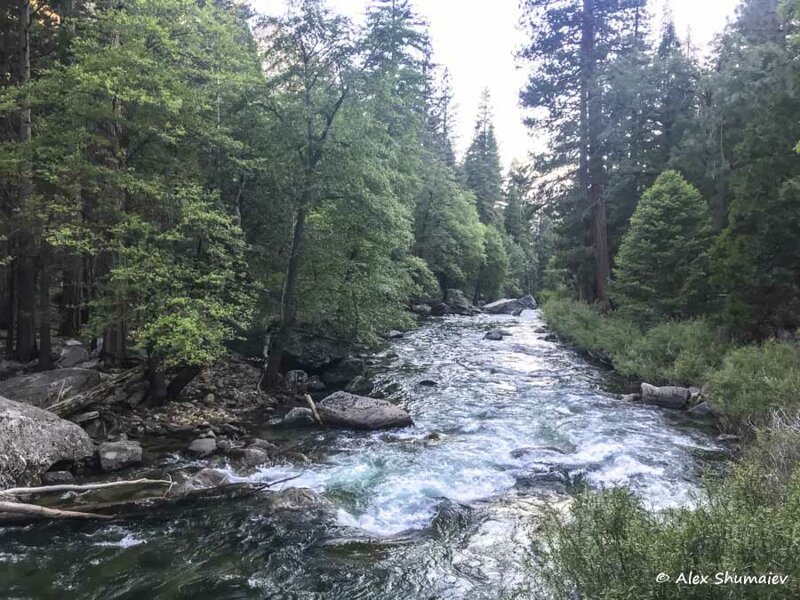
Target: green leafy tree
660	254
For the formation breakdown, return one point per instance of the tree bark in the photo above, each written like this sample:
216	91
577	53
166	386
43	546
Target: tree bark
71	298
45	346
596	174
288	303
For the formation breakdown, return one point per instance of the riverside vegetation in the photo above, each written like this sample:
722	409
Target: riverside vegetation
181	176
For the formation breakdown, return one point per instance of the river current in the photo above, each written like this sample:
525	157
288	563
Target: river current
441	510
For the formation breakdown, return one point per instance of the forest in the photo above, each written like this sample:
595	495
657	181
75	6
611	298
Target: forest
180	179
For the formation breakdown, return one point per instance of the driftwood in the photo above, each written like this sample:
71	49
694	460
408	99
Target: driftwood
313	408
71	487
47	513
74	404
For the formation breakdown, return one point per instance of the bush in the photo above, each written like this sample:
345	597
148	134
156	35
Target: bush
609	546
755	380
672	352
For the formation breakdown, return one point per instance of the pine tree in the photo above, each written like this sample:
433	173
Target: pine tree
481	166
660	254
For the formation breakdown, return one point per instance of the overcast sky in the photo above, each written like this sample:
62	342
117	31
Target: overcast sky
477	40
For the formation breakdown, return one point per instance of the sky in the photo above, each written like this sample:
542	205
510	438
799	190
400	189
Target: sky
477	41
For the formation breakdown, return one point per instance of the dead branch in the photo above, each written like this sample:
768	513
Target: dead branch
313	408
70	487
47	513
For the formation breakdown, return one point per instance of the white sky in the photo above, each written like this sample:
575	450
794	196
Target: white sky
477	40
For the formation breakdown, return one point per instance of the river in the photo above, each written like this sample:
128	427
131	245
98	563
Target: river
441	510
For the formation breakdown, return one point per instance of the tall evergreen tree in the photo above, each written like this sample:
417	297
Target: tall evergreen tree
482	174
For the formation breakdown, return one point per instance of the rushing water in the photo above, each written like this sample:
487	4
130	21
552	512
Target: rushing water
439	510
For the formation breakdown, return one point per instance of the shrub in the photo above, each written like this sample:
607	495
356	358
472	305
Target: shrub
754	380
609	546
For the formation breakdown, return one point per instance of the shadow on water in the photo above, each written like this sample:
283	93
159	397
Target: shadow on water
441	510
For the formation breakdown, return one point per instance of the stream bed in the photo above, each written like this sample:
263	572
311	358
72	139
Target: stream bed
440	510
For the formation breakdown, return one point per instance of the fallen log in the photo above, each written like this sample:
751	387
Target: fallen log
71	487
313	408
47	513
73	404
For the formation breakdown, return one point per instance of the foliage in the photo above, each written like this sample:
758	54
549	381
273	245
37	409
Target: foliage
660	252
755	380
611	546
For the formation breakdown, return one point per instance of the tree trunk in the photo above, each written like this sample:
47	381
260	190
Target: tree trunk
181	380
157	385
45	359
25	268
288	303
593	129
71	298
12	310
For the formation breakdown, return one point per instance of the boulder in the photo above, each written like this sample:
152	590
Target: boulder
493	336
298	417
44	388
394	335
360	385
32	440
118	455
428	383
360	412
439	309
57	477
72	355
343	371
458	299
632	397
296	379
666	397
203	479
423	310
203	446
253	457
510	306
268	447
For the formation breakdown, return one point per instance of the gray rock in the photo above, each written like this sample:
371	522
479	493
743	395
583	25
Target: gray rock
32	440
268	447
254	457
360	412
297	499
118	455
428	383
666	397
458	299
298	417
203	479
528	302
57	477
395	335
423	310
497	334
360	385
44	388
315	384
506	306
296	379
439	309
72	355
203	446
701	410
343	372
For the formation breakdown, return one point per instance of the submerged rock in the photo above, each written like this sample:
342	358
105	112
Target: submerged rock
32	440
44	388
118	455
669	396
297	499
360	412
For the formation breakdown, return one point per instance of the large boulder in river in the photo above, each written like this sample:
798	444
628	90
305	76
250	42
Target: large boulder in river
666	397
360	412
118	455
32	440
44	388
509	306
